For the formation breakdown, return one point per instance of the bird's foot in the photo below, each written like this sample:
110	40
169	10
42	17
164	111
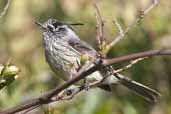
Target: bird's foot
85	85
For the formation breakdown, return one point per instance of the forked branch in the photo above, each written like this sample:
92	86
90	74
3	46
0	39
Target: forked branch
142	13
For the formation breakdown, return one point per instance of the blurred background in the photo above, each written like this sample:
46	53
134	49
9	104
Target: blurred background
21	42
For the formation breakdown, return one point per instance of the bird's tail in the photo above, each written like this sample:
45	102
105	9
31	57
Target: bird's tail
146	92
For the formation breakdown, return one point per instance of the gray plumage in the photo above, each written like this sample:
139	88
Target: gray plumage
63	48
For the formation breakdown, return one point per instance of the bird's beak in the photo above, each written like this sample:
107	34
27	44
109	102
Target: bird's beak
40	25
76	24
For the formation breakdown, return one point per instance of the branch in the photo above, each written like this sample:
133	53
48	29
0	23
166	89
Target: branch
99	27
139	18
46	98
5	9
134	56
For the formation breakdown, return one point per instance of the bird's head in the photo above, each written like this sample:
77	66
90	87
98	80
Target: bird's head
52	26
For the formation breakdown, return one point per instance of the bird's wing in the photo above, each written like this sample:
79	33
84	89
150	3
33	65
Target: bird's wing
82	47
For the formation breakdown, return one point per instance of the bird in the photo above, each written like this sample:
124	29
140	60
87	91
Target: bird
64	51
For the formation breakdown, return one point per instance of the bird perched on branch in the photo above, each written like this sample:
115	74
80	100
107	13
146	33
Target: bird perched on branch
65	53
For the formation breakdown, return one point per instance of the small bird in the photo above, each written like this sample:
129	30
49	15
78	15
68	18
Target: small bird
64	52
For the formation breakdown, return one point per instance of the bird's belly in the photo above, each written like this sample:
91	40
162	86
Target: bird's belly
63	58
60	68
60	62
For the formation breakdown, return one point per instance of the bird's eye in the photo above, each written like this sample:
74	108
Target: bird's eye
61	29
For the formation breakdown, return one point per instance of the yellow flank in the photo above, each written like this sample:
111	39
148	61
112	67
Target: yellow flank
69	66
84	59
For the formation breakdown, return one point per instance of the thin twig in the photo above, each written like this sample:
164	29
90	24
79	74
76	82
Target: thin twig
139	18
5	9
100	38
133	62
155	2
119	27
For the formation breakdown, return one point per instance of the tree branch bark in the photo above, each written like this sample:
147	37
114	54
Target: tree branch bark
129	57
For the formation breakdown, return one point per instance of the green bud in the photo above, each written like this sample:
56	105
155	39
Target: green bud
8	74
10	70
84	59
104	47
